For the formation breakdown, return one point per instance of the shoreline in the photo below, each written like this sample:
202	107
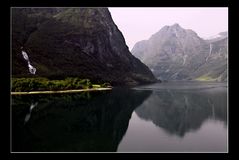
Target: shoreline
62	91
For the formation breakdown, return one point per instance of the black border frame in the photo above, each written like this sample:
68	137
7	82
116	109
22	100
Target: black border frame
233	27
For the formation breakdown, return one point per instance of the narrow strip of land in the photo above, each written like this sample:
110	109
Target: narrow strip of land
63	91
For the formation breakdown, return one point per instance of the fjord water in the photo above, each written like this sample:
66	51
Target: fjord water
162	117
179	117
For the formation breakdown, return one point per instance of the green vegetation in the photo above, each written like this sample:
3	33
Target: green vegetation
44	84
205	78
104	85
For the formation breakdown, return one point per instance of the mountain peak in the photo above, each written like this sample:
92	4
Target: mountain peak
177	31
175	53
225	33
176	25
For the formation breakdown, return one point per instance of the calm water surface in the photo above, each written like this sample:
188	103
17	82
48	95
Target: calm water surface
163	117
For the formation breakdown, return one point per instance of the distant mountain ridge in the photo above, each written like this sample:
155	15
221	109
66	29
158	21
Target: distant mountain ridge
175	53
217	37
74	42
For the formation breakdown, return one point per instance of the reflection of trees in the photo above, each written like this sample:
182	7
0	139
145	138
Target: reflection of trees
181	112
72	123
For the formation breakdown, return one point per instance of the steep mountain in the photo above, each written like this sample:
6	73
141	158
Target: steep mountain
82	42
215	67
175	53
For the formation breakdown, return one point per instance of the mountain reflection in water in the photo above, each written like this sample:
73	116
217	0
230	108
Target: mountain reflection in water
179	113
145	119
189	119
93	122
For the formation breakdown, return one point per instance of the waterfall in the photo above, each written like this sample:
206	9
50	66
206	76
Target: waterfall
184	59
210	49
32	69
25	56
210	52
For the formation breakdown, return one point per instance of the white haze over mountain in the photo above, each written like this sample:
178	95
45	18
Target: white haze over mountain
138	24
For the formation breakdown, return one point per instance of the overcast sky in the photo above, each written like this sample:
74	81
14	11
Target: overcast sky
138	24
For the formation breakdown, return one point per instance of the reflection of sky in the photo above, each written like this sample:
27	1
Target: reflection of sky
138	24
179	120
185	86
144	136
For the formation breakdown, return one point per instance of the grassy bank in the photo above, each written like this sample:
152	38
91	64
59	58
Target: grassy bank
63	91
44	84
206	78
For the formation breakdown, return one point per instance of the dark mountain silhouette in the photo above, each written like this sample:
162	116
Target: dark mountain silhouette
81	42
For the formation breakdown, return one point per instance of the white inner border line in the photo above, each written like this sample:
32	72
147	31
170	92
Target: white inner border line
116	151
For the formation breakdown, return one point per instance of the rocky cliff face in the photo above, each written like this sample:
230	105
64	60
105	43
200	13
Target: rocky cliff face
215	66
82	42
175	53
